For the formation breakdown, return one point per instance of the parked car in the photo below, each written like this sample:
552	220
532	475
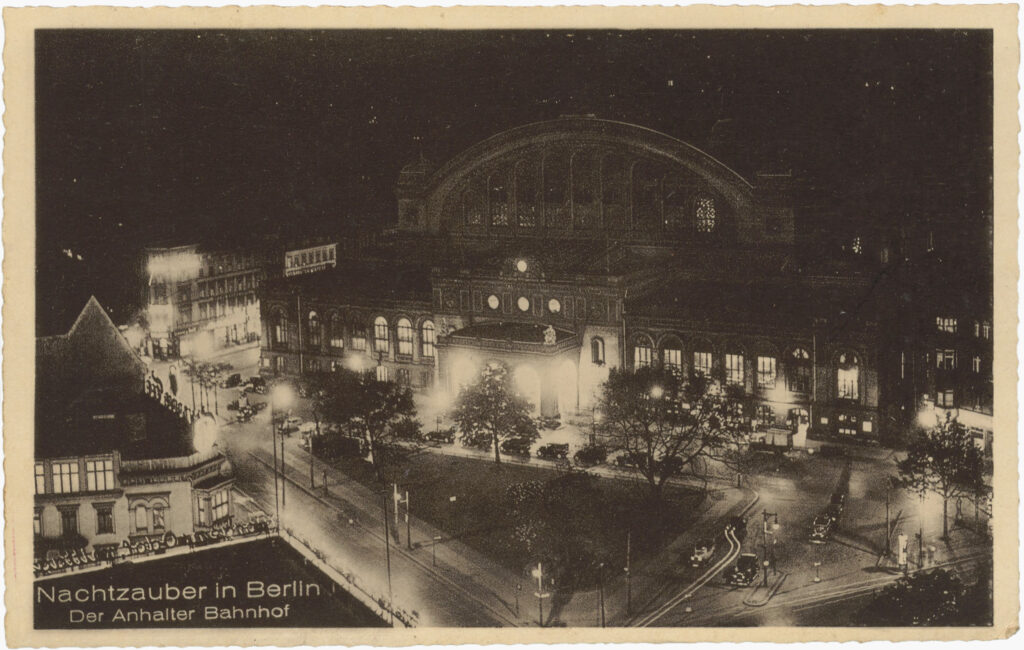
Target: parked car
590	455
553	451
631	460
231	381
746	571
516	447
257	385
441	436
738	526
290	425
702	552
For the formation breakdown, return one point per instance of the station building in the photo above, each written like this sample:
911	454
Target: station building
568	247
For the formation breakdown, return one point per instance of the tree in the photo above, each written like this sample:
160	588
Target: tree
375	411
945	461
923	598
491	411
667	426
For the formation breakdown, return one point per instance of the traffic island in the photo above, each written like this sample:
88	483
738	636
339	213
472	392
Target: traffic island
761	594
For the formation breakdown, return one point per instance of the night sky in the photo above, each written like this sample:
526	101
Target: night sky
214	135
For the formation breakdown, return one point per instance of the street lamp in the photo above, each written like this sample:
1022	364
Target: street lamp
281	397
764	537
817	571
657	392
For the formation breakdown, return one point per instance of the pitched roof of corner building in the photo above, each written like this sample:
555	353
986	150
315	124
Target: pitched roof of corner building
87	374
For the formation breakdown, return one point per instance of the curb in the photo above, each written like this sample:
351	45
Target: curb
772	589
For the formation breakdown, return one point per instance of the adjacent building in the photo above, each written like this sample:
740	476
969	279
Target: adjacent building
115	457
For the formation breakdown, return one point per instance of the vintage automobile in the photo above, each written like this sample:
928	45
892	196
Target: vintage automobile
746	571
702	552
231	381
823	526
516	447
838	500
553	451
441	436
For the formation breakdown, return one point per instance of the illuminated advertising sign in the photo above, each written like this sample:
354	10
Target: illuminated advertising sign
310	260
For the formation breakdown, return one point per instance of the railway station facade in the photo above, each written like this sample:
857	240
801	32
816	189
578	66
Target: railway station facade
565	248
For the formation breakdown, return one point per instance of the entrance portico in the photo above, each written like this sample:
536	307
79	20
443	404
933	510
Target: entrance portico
542	361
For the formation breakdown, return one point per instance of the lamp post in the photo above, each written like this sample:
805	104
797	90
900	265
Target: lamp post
281	396
600	586
764	537
817	571
433	562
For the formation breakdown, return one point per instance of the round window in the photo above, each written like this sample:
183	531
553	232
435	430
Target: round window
493	302
554	306
524	304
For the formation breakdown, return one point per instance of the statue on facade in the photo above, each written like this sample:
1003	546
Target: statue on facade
550	336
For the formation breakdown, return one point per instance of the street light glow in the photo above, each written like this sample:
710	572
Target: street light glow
657	392
283	396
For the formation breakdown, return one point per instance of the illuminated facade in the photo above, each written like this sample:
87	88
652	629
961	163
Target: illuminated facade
200	300
114	463
565	248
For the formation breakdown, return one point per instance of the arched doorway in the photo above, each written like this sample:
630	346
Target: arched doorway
527	382
565	377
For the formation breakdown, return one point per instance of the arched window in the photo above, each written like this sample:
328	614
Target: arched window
279	329
380	334
404	337
672	355
597	351
358	335
382	373
641	352
498	198
766	372
427	339
734	368
702	361
798	376
313	327
848	376
141	517
705	214
337	333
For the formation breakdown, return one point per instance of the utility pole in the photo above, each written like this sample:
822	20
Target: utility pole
387	556
273	446
408	526
629	576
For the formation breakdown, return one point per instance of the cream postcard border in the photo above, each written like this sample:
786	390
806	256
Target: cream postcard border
19	289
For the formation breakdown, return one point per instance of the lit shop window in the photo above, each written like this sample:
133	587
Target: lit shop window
734	368
641	353
380	334
702	362
220	505
673	358
428	340
766	372
799	375
99	475
848	376
945	324
313	323
945	359
65	477
40	478
944	398
405	336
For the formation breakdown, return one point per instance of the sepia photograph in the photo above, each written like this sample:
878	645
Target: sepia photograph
534	327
